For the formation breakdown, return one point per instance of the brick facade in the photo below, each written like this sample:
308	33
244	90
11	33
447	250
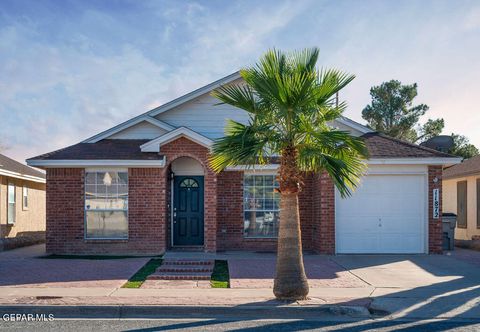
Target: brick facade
230	215
65	214
324	217
149	208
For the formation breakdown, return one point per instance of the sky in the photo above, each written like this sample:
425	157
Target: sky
71	69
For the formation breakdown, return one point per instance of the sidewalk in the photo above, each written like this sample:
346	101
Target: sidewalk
176	297
180	303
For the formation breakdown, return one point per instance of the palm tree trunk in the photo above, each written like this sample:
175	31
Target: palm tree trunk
290	280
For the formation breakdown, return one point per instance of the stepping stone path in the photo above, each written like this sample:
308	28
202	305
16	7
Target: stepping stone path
183	269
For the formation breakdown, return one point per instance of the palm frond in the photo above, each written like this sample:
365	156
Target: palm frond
330	82
291	105
241	96
341	155
242	145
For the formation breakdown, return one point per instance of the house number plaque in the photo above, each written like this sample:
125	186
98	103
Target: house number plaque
436	203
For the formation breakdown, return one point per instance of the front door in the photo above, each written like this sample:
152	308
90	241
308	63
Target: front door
188	211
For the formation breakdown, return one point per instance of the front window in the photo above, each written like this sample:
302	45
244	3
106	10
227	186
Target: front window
11	204
261	206
25	197
106	204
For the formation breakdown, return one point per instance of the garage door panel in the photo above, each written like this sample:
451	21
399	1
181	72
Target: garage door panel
351	244
362	224
386	214
401	243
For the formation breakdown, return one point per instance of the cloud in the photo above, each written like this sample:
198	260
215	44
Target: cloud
71	83
67	73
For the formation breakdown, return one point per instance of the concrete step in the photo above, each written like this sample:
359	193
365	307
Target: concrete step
185	268
187	262
188	249
180	276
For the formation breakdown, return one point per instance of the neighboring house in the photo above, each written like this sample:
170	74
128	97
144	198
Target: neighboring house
22	204
145	186
461	196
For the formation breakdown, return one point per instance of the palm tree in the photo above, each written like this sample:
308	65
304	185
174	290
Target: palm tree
290	105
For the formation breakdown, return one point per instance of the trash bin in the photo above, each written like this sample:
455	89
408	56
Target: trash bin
449	221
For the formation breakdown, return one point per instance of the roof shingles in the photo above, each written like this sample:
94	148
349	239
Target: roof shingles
378	145
107	149
383	146
467	167
8	164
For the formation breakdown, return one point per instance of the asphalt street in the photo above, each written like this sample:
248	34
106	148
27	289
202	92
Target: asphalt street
337	325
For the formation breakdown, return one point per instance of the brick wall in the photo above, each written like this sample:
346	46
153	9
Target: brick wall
183	147
65	210
323	234
434	225
230	215
65	214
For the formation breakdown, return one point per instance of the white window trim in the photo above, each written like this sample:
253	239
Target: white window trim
25	188
256	172
10	184
85	237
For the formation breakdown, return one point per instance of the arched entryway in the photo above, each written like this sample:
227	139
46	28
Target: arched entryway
187	217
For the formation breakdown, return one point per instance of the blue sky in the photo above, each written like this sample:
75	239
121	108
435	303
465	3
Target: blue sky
70	69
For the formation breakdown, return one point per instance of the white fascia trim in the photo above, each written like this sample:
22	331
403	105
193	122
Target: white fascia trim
129	124
16	175
355	125
97	163
374	161
194	94
253	168
414	161
154	145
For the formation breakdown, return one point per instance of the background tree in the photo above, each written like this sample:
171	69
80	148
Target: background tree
391	110
289	103
462	147
430	129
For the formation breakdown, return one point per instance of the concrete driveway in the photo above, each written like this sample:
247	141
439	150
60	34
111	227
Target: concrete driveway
23	267
407	285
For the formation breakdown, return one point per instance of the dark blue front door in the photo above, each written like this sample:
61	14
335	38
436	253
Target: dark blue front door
188	210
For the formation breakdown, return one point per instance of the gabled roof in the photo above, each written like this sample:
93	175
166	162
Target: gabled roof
155	144
382	146
98	147
105	149
149	116
353	124
384	149
467	167
13	168
194	94
129	124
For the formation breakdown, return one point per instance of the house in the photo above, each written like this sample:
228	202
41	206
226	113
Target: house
144	187
462	196
22	204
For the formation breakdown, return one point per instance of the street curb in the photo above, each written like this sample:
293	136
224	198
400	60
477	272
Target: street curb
159	311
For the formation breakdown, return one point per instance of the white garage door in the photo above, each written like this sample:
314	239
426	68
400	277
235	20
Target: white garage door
386	214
